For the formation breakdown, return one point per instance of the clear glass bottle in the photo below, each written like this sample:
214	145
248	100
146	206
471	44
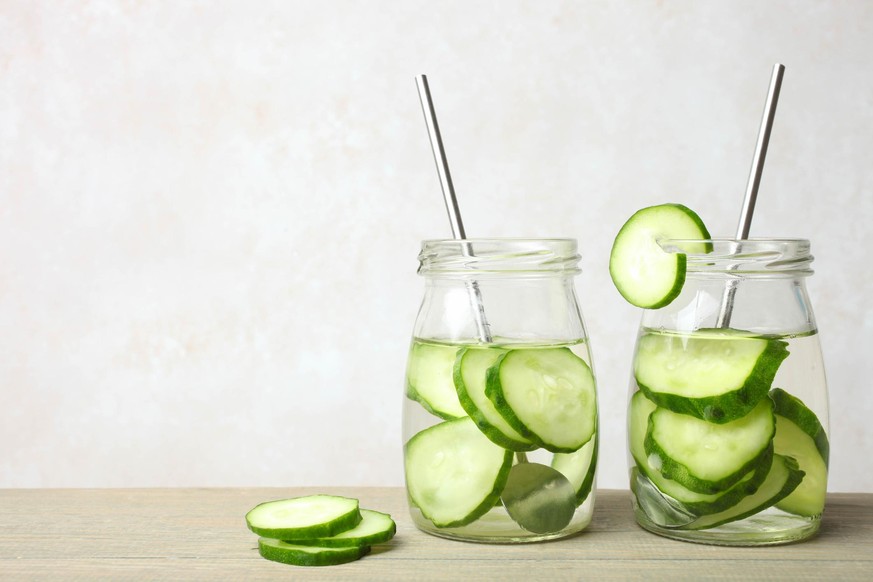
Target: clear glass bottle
504	312
728	411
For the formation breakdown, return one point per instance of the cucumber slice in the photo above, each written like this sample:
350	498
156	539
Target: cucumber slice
644	274
454	474
715	375
289	553
312	516
547	395
579	467
429	379
783	478
375	528
687	501
800	435
471	366
706	457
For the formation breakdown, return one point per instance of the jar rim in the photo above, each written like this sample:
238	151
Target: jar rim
752	257
517	257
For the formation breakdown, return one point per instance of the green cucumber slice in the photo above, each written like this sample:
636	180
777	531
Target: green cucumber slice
288	553
579	467
800	435
375	528
471	365
429	379
688	501
715	375
706	457
644	274
547	395
783	478
454	474
312	516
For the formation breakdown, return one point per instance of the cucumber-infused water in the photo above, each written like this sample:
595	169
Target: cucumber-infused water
727	432
473	410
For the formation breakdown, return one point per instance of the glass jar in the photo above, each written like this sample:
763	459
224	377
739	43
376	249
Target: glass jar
499	386
728	410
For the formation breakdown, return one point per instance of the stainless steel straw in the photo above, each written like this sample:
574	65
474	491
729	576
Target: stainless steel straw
745	224
442	164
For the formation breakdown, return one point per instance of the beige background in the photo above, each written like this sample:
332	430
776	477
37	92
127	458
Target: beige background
210	211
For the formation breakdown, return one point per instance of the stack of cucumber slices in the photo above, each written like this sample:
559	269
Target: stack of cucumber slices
712	441
495	400
317	530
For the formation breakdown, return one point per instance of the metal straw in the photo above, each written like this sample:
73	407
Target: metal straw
745	224
442	164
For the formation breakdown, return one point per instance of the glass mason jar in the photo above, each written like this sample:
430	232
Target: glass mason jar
500	414
728	410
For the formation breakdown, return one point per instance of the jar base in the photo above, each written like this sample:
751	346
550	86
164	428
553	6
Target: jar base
759	530
496	527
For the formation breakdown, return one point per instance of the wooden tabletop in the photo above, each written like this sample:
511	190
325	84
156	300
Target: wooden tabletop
200	534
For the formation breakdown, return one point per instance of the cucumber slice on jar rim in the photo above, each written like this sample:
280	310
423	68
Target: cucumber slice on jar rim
645	274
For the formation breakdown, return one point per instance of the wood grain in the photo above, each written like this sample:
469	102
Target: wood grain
200	534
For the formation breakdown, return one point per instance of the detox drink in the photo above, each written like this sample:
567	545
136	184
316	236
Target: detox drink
728	435
728	408
473	411
500	405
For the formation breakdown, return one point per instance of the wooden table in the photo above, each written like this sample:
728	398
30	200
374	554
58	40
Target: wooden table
200	534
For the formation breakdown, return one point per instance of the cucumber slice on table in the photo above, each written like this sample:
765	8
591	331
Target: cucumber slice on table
579	467
375	528
304	517
547	395
644	274
783	478
454	474
471	365
688	501
799	434
298	555
429	379
718	375
706	457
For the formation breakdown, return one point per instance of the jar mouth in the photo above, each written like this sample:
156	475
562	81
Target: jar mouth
478	257
754	256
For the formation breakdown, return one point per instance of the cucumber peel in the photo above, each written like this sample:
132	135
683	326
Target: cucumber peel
784	477
471	366
547	395
690	502
706	457
299	555
645	274
717	375
799	434
375	528
311	516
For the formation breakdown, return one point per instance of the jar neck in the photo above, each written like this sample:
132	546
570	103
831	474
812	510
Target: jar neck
753	258
498	258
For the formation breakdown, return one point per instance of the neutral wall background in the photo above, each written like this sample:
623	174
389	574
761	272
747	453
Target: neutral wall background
210	211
